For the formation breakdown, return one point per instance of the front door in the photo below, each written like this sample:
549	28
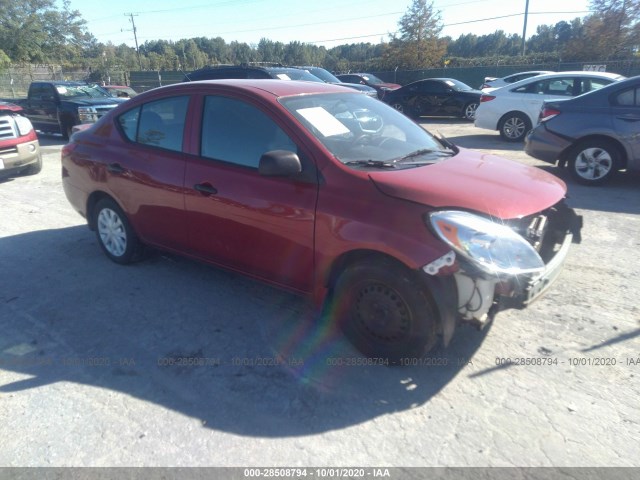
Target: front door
262	226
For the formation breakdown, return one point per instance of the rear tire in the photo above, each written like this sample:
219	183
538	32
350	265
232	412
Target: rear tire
594	162
469	111
385	312
116	237
514	127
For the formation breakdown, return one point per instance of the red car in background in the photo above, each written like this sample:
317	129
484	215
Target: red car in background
370	80
328	193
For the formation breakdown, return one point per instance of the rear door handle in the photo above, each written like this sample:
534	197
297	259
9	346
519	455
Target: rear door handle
629	118
115	168
205	188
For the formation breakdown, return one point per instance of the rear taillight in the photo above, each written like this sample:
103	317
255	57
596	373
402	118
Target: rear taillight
68	148
547	114
486	98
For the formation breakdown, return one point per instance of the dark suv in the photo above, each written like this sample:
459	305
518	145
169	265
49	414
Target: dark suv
250	71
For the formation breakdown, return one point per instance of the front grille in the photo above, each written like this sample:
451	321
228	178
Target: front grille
7	128
9	151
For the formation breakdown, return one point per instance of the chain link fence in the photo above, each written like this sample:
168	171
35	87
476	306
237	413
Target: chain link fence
15	81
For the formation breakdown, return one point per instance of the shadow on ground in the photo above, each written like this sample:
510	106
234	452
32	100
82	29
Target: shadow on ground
238	355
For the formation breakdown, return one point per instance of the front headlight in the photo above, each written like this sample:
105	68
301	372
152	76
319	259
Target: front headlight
24	125
87	114
495	248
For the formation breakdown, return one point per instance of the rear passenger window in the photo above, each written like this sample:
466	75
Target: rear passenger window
236	132
159	123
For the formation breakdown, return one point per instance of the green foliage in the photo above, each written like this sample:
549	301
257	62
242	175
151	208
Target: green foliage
47	31
419	44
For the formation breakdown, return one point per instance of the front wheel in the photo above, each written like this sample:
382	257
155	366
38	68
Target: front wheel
115	235
384	311
593	162
469	111
514	127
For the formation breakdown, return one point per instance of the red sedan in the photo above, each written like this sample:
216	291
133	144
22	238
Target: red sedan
325	192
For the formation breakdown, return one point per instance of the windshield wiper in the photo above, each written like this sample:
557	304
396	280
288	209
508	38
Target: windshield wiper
423	151
370	163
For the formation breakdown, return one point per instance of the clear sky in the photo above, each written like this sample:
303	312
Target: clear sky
326	22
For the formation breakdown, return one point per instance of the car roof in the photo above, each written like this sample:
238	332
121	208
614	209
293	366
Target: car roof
274	87
538	78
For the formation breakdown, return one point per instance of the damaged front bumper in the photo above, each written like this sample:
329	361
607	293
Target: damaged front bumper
480	294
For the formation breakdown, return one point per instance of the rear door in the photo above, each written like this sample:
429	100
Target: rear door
146	174
535	93
43	106
262	226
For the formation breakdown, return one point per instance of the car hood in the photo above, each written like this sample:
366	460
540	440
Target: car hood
10	107
475	181
97	101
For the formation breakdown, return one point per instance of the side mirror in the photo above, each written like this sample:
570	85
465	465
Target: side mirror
279	163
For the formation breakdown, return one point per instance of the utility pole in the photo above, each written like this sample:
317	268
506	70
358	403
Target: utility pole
524	30
135	36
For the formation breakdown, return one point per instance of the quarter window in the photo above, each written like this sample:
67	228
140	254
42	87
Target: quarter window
234	131
159	124
628	98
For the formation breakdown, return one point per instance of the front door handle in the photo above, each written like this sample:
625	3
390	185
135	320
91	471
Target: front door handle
205	188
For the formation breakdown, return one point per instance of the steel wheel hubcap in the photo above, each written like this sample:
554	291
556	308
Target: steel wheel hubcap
381	313
593	163
112	232
398	107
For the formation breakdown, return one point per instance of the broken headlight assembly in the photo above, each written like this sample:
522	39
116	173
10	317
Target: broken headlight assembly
494	248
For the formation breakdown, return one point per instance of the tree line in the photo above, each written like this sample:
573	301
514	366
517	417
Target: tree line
41	31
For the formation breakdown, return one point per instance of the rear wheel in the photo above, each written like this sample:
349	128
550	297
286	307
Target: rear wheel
514	127
384	311
115	235
469	111
593	162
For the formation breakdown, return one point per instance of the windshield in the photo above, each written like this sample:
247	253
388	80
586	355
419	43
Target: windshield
75	91
294	74
457	85
372	79
364	132
324	75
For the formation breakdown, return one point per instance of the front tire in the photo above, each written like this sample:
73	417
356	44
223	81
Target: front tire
115	235
594	162
384	312
514	127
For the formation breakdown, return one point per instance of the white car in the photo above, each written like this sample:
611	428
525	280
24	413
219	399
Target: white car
492	82
513	110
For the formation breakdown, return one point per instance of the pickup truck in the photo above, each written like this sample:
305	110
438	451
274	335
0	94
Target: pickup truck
56	106
19	146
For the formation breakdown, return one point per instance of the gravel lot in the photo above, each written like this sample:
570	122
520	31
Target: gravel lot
93	369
